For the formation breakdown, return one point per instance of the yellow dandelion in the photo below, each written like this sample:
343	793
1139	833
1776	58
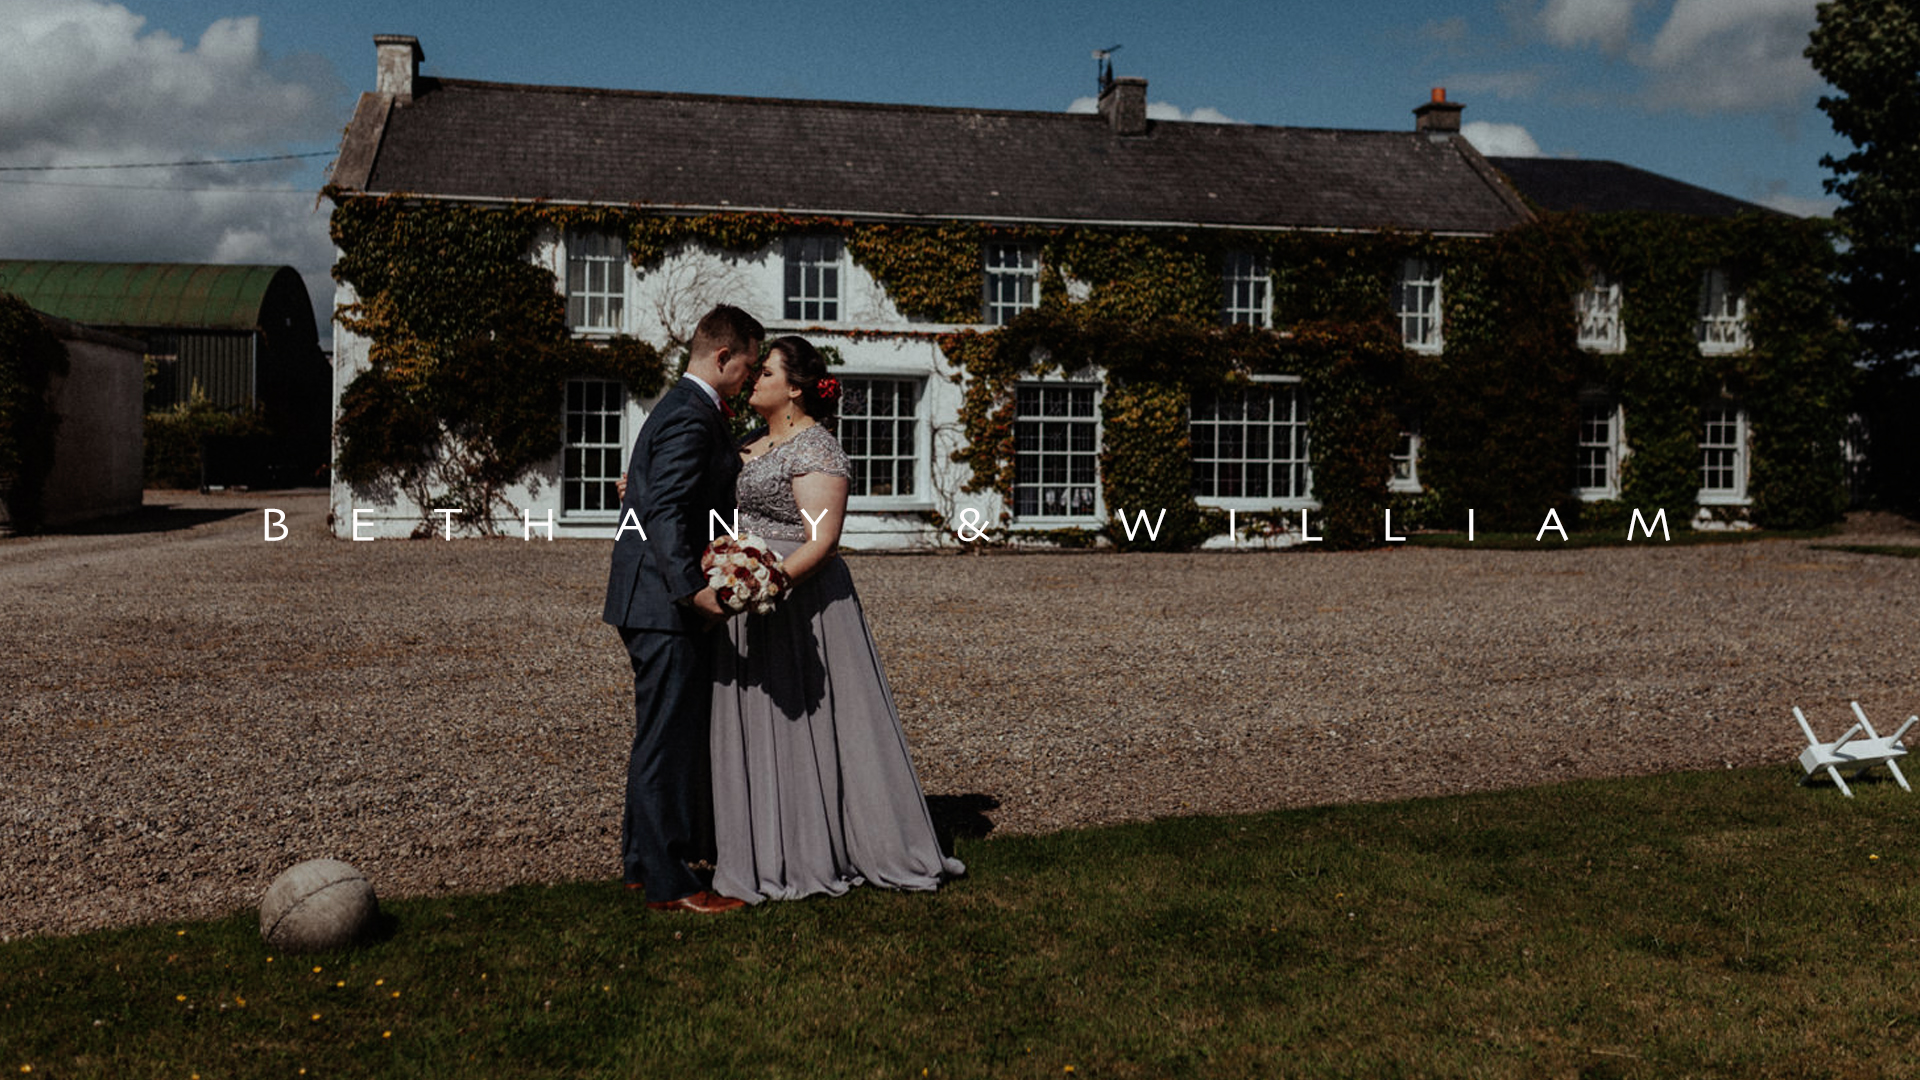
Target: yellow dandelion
240	1001
315	1016
379	982
1068	1069
182	933
386	1034
342	982
316	969
26	1068
179	997
1873	858
396	993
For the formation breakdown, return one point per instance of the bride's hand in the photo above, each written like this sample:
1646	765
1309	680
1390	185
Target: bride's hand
620	486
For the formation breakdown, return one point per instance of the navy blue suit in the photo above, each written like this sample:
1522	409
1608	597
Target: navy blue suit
682	471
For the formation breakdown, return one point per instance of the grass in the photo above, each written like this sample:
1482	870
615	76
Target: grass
1704	924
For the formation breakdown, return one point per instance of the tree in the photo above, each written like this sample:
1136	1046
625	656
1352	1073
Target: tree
1869	51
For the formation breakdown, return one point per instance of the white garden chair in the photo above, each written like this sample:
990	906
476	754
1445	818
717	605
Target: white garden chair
1849	752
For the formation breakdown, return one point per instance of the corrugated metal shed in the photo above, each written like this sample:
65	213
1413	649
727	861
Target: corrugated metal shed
143	294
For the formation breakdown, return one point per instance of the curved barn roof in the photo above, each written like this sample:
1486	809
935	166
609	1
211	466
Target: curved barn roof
148	294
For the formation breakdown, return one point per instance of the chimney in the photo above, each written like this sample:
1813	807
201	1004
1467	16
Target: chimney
398	57
1438	116
1124	103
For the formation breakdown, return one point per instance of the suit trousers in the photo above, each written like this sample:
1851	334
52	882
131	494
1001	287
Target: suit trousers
669	816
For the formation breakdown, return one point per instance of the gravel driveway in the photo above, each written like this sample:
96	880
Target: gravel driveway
188	709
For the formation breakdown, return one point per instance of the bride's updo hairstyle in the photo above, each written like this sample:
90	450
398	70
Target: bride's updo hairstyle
807	370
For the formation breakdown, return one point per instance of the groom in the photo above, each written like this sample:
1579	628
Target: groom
682	470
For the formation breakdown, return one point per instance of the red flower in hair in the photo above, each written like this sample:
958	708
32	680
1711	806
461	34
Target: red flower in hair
828	388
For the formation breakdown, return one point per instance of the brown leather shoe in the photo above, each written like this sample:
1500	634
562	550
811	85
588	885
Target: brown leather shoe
703	902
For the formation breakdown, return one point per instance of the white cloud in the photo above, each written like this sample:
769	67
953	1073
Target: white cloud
1731	55
1605	23
1514	84
1799	205
82	82
1500	140
1163	110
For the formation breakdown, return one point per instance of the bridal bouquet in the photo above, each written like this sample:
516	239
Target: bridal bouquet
744	572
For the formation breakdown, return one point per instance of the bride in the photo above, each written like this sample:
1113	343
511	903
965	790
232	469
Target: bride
814	789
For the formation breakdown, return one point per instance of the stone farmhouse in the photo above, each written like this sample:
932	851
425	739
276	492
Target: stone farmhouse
841	221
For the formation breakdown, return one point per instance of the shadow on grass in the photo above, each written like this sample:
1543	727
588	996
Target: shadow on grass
961	817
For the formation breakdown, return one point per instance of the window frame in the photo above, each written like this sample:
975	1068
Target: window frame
1611	444
1736	493
1602	293
1300	418
1722	325
812	276
1252	272
1040	519
1423	282
1024	275
921	469
1409	483
574	245
611	452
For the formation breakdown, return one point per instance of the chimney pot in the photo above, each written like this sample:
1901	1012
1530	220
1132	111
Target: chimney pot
1438	117
398	59
1124	104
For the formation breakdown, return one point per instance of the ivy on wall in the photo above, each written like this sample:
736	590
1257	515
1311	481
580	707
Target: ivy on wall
1794	379
30	356
469	354
470	348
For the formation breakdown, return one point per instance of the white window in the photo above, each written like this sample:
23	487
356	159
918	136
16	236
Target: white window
1599	306
813	278
1056	456
596	281
1597	468
1723	315
1419	306
1250	445
1249	290
880	431
596	437
1723	455
1013	281
1405	476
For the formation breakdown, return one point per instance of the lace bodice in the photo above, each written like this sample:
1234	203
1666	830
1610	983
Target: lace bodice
765	488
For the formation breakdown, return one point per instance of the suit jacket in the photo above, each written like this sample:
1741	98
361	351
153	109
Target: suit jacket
682	470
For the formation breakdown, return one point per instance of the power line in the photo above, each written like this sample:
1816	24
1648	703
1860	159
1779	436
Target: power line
167	164
308	192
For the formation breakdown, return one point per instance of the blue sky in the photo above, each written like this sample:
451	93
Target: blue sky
1713	92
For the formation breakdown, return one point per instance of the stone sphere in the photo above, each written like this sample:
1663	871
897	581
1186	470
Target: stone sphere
317	905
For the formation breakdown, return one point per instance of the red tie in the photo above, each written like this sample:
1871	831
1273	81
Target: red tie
726	409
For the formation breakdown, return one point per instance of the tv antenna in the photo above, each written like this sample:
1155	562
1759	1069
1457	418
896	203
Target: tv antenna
1103	63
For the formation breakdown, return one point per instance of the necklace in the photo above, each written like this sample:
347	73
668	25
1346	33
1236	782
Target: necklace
793	431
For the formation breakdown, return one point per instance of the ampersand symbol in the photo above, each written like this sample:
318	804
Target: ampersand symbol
969	520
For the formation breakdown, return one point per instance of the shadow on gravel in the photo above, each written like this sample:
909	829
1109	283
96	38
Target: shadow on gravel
957	816
150	519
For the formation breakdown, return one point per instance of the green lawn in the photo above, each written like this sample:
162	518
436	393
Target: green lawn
1704	924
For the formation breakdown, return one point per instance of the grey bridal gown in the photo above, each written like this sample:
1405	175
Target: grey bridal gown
814	789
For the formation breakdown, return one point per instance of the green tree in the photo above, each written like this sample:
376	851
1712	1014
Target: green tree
1869	51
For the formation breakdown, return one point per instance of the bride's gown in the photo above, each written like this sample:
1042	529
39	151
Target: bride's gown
813	786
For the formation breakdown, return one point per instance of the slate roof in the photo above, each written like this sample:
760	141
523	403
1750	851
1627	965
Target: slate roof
182	295
459	138
1571	184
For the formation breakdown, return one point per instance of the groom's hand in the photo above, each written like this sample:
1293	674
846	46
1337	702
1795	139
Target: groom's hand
707	602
